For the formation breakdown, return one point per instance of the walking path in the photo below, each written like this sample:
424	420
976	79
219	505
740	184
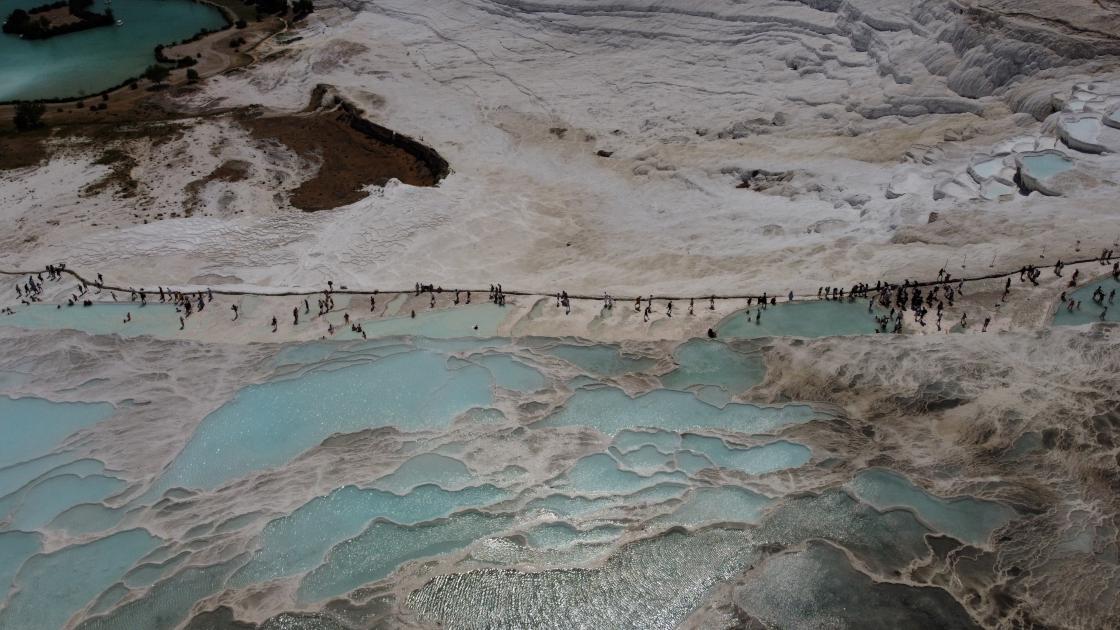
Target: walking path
533	293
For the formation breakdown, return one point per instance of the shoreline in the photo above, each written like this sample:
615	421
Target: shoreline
227	14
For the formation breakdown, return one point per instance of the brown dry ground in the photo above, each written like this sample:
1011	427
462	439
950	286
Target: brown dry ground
345	159
229	171
349	160
58	17
20	150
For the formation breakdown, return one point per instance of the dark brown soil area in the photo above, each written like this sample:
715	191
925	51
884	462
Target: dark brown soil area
119	177
349	159
20	150
229	171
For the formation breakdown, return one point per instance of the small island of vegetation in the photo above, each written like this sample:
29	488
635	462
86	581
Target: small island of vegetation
58	18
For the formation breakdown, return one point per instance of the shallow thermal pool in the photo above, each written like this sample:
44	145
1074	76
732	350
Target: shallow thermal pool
816	318
1090	311
1046	165
424	477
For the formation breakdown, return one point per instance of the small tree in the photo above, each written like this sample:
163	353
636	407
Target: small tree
156	73
29	116
192	75
303	7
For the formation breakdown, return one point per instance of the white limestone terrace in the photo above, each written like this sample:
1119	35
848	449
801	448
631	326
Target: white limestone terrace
763	145
1072	151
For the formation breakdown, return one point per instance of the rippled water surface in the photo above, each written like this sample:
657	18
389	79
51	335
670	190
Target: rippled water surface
469	482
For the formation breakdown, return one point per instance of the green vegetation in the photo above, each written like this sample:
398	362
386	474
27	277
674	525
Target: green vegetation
192	75
31	24
156	73
243	12
181	62
29	116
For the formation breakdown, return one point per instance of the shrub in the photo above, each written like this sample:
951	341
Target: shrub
156	73
29	116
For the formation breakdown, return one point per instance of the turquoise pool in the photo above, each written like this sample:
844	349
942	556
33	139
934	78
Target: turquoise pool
87	62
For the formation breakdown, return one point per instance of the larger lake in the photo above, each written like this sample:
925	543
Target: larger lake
90	61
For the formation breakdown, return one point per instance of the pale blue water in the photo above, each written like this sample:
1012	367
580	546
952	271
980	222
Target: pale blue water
603	360
168	602
644	460
1083	128
994	189
99	319
54	586
300	541
814	318
50	497
266	425
148	573
15	477
90	61
966	519
428	468
560	535
697	452
87	518
569	506
610	410
721	504
754	460
511	373
600	473
32	427
656	473
714	363
383	546
111	597
692	463
35	476
987	168
664	441
1090	311
1046	165
15	548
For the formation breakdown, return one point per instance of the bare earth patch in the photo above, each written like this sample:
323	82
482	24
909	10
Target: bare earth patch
228	171
20	150
349	159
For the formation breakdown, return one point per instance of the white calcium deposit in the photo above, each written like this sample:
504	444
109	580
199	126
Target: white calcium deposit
873	112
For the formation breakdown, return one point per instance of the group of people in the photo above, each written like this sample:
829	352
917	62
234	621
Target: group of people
908	297
899	299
